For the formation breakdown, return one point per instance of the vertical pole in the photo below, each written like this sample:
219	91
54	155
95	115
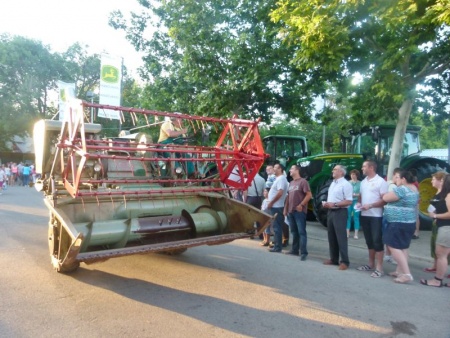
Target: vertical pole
92	109
323	139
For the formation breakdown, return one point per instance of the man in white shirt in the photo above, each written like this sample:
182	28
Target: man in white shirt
340	197
373	187
277	197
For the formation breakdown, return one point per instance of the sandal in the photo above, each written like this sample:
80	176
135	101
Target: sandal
377	274
404	278
426	282
364	268
429	269
264	244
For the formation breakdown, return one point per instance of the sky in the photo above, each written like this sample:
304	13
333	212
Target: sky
61	23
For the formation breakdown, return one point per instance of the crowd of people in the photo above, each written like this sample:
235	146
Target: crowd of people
386	211
13	174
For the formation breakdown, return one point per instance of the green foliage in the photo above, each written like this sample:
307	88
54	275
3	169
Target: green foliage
28	71
217	58
394	45
81	68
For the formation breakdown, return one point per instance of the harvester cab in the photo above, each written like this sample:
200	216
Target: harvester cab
111	197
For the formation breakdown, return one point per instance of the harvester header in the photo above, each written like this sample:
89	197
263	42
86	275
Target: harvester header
116	196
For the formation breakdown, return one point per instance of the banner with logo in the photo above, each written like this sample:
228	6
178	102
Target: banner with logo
110	85
66	93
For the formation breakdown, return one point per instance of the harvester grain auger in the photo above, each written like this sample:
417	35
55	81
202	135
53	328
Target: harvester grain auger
112	197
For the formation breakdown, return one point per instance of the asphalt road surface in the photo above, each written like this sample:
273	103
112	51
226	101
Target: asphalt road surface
232	290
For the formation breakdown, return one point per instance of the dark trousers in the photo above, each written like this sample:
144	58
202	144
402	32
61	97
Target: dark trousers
277	227
337	235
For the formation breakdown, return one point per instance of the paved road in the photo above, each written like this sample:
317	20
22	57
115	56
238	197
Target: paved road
231	290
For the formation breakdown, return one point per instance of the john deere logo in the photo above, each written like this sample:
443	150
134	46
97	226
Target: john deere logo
110	74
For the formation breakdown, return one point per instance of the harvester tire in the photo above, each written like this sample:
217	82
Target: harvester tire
321	195
425	168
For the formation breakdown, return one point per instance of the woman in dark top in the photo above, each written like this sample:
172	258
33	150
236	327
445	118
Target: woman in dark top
437	181
442	216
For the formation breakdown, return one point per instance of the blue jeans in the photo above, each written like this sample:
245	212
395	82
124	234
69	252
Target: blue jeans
25	179
297	223
277	227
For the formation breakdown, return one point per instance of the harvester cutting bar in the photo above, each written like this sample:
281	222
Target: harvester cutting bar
231	164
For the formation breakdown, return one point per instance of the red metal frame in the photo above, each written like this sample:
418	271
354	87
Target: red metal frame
238	154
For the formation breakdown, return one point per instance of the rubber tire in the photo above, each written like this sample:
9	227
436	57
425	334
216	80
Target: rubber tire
321	195
425	167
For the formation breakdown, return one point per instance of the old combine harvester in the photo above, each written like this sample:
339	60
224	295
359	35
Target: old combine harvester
112	197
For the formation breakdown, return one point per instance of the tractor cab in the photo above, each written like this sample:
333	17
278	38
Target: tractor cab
285	149
375	143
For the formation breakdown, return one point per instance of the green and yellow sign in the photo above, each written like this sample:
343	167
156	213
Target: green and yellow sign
110	74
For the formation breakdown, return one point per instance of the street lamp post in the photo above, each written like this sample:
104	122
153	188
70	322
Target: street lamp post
90	95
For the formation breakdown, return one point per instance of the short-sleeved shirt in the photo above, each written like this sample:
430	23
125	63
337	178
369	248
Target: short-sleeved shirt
372	191
163	135
340	190
26	170
296	194
280	183
257	187
405	209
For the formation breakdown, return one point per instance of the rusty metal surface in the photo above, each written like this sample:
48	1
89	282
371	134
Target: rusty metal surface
92	257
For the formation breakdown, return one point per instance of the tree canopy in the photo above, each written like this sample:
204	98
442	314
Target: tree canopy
394	45
217	58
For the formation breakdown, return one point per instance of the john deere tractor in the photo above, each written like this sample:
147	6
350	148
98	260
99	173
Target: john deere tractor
372	143
284	149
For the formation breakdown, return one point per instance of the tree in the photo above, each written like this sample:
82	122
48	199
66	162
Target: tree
81	68
394	45
216	58
28	71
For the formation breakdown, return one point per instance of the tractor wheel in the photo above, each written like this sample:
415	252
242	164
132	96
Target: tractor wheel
321	195
425	168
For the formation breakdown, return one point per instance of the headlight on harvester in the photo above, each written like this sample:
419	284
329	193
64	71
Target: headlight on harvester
97	167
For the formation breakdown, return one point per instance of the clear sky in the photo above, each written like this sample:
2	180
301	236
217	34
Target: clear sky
61	23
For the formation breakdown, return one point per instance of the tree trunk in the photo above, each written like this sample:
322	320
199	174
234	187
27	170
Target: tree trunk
399	135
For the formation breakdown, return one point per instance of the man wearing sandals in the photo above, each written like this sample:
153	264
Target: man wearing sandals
340	197
371	203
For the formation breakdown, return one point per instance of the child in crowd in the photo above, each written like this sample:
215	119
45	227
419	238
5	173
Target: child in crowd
265	202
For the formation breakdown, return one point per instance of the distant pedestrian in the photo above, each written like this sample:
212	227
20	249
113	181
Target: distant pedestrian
26	172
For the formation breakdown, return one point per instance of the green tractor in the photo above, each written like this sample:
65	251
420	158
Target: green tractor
284	149
372	143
